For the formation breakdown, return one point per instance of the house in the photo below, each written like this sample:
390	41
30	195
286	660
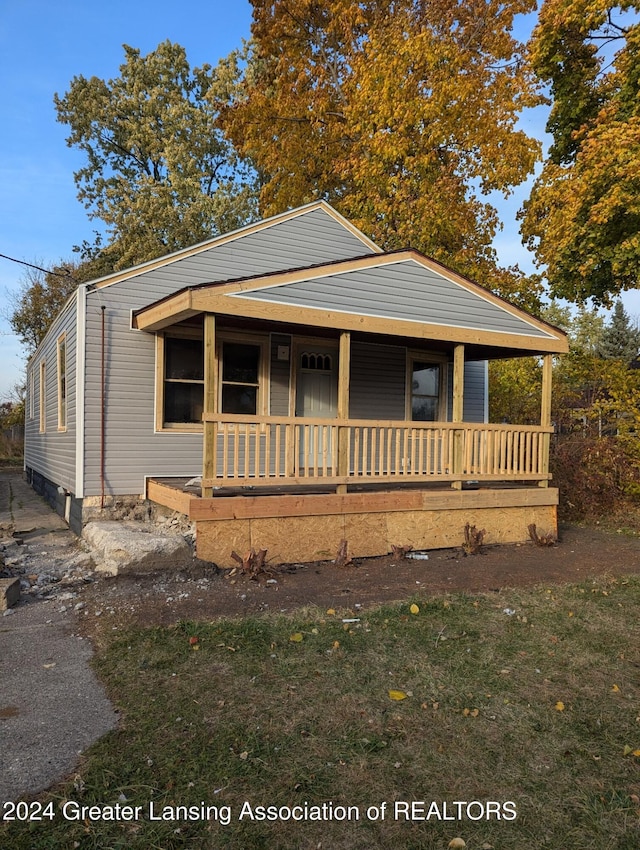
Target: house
320	388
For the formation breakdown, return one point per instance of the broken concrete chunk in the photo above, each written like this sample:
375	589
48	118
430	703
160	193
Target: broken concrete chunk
124	547
9	593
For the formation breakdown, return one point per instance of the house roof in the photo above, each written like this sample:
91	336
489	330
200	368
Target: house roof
402	293
227	256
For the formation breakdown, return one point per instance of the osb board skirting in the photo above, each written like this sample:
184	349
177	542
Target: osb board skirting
303	505
310	538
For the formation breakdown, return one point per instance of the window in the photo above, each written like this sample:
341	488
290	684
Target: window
62	383
241	361
316	362
240	378
426	381
43	397
183	380
32	393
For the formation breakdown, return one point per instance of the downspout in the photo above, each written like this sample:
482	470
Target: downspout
102	412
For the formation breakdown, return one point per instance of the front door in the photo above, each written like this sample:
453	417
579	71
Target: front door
316	398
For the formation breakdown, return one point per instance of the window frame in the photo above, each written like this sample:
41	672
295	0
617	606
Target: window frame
32	393
42	397
432	359
262	342
161	337
262	399
61	380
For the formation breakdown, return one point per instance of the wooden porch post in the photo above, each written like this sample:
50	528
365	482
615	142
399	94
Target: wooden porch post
210	401
545	415
458	411
344	368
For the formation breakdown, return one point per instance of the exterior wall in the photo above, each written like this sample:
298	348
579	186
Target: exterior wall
52	453
475	391
133	447
427	296
280	376
310	528
378	381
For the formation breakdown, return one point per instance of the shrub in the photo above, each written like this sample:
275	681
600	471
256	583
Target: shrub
596	476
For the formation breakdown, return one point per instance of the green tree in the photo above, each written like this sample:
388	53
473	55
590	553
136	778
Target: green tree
583	216
620	338
41	296
402	115
159	173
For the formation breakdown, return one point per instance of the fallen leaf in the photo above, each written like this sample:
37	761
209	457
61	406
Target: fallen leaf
397	695
414	609
615	689
49	666
296	637
331	611
457	842
193	640
195	646
559	706
244	755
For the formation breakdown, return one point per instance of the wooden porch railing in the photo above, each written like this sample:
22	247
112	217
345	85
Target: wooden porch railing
269	450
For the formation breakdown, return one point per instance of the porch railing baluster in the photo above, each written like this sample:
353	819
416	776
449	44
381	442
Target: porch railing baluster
262	450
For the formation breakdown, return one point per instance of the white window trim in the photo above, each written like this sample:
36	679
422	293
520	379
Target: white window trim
42	397
32	392
62	401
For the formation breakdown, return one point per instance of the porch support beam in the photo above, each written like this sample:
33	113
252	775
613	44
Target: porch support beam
545	415
210	402
344	370
458	410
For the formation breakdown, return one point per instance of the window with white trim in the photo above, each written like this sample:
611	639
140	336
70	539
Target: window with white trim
32	393
43	397
62	382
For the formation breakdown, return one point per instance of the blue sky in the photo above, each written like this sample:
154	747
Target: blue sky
43	45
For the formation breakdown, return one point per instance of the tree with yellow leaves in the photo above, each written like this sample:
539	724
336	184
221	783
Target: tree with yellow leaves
400	114
583	216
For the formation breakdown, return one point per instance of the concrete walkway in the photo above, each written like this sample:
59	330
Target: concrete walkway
52	707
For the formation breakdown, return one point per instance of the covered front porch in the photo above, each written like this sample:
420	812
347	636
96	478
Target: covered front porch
296	455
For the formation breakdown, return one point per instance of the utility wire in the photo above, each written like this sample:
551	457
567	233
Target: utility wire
66	273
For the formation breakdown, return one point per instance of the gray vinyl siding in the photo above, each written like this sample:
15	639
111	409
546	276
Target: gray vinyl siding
403	290
474	391
53	453
377	381
310	238
133	448
280	376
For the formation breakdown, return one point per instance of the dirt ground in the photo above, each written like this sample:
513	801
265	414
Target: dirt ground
204	593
